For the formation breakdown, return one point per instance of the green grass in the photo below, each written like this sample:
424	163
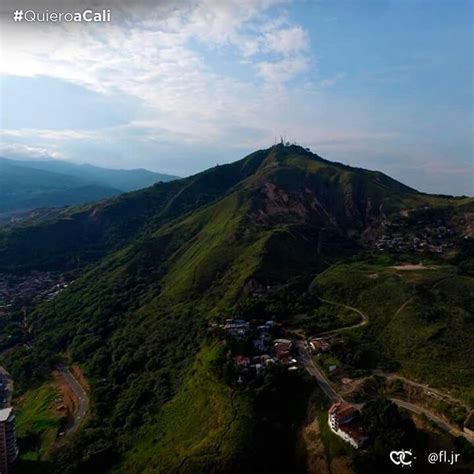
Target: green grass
326	317
333	445
37	422
420	321
197	431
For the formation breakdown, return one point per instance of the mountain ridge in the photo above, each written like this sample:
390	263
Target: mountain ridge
122	179
29	185
313	187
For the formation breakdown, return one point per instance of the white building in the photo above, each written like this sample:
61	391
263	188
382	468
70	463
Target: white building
8	447
343	421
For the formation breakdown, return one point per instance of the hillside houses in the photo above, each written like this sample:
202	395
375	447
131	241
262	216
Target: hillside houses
344	421
319	344
255	348
15	289
282	352
322	344
433	239
237	328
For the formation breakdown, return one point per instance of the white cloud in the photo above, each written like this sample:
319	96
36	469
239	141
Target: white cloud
152	57
48	134
278	72
286	41
330	81
158	55
22	151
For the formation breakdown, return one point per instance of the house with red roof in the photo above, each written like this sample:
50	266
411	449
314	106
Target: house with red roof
344	421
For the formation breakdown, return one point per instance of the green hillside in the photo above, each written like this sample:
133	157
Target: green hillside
421	321
154	266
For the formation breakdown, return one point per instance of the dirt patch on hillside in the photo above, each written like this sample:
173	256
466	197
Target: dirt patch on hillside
79	376
413	266
68	402
316	456
341	465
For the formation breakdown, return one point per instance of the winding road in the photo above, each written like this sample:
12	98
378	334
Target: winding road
81	395
309	364
364	321
431	416
311	367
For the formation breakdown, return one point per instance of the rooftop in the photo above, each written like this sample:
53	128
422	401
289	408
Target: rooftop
5	413
342	410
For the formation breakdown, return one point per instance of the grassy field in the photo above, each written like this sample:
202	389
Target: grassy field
37	422
197	431
326	317
333	445
420	321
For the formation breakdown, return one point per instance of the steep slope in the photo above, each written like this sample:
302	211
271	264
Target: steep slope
164	260
84	234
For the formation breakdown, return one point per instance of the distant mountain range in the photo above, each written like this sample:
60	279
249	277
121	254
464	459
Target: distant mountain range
28	185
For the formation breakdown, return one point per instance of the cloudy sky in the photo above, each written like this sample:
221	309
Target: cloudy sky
178	86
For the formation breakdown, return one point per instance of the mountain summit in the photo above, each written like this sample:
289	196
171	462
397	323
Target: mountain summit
274	189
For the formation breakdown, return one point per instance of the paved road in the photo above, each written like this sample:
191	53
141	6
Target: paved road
426	388
306	359
433	417
81	395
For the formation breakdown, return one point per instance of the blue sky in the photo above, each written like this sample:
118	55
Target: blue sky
180	86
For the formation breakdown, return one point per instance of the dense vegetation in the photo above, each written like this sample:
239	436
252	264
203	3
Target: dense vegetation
388	430
155	266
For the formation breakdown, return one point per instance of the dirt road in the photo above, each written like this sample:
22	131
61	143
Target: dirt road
364	318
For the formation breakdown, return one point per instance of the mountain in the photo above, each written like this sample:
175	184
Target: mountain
123	180
27	185
155	268
281	193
